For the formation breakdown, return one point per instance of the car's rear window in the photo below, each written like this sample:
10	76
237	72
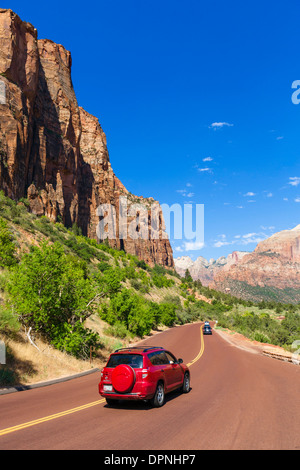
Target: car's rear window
133	360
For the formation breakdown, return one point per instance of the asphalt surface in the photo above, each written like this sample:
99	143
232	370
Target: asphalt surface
238	400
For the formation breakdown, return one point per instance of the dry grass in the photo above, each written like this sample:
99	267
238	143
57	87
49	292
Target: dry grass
31	365
41	363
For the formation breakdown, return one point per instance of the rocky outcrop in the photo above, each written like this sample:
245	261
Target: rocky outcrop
285	243
272	270
55	154
204	270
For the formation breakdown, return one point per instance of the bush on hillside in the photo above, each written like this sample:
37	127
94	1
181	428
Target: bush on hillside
51	293
7	246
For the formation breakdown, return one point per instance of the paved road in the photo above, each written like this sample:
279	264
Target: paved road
238	400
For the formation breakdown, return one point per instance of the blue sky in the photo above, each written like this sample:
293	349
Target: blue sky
195	101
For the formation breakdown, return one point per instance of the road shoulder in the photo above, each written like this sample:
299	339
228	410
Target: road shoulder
240	341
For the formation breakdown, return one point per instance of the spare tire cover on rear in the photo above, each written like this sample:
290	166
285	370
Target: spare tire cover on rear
123	378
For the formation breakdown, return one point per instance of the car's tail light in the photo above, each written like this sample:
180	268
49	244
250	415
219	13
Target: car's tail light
145	373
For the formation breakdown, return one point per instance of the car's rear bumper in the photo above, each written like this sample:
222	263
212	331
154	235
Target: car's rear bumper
125	396
145	394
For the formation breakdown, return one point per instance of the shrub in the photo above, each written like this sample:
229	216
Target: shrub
161	281
7	376
76	340
260	337
118	330
8	321
167	314
131	310
7	246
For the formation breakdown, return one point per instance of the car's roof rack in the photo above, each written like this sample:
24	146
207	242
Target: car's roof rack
153	347
138	347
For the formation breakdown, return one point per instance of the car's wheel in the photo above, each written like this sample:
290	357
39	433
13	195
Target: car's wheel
186	383
159	396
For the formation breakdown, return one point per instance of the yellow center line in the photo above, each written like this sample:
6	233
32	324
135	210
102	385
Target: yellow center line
49	418
19	427
201	349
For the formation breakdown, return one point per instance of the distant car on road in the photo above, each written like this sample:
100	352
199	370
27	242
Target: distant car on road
207	329
143	373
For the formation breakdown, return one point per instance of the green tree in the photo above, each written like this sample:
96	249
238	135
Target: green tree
187	276
130	309
167	314
51	293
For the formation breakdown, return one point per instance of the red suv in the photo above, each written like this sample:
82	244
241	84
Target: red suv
142	373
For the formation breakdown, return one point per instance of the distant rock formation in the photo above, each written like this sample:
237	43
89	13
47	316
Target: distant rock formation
275	262
271	272
205	270
54	153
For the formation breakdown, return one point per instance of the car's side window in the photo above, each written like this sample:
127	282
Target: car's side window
158	358
171	359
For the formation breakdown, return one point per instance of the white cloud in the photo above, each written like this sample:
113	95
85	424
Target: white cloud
193	245
294	180
270	195
248	235
255	239
219	243
185	193
222	242
297	199
246	239
207	159
204	169
219	125
189	246
249	194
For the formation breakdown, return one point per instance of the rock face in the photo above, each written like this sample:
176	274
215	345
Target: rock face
205	270
55	154
272	270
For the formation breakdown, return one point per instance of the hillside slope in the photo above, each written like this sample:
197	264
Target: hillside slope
31	356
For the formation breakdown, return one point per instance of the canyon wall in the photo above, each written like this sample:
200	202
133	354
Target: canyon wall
55	154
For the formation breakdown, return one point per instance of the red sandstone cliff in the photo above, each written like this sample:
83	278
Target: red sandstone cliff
275	264
54	153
